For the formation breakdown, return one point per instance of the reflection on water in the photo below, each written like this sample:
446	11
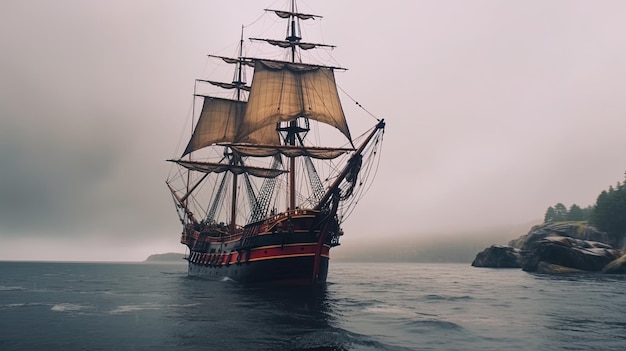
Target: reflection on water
233	316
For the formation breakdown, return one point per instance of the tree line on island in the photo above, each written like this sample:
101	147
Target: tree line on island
608	214
570	240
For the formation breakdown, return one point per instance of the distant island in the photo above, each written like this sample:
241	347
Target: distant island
166	257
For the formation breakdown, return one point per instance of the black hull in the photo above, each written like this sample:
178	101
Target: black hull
290	248
287	270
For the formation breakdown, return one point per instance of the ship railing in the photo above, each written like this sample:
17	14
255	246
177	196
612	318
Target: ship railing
230	237
290	213
214	235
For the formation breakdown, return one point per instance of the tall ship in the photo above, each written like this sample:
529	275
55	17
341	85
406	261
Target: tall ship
271	169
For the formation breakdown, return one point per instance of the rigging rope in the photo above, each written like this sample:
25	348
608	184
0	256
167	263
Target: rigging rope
369	165
358	104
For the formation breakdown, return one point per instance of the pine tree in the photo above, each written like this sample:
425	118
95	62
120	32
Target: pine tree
575	213
587	212
609	212
560	212
549	217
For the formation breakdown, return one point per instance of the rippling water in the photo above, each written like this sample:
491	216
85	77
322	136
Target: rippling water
89	306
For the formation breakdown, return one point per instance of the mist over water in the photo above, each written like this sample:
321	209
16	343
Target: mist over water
61	306
502	109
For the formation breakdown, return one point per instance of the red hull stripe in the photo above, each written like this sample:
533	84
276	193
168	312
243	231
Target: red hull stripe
284	256
269	252
287	245
265	232
272	252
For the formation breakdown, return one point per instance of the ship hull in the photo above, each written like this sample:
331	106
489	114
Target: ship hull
290	248
287	270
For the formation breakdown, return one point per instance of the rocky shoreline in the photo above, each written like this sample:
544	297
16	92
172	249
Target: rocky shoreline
559	247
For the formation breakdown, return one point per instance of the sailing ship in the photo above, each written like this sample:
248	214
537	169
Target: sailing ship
259	199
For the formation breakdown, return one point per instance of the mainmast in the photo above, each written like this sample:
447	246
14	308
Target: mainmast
293	129
293	38
274	119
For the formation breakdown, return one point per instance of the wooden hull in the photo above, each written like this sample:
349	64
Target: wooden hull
293	270
291	248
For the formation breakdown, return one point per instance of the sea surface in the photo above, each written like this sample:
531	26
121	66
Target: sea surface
364	306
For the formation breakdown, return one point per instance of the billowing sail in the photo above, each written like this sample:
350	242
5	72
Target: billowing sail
218	122
283	91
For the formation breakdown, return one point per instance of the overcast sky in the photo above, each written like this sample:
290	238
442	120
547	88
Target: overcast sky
495	110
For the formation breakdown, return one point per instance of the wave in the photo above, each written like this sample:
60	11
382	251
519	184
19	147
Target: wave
24	304
433	323
134	308
447	298
388	309
339	339
68	307
11	288
186	305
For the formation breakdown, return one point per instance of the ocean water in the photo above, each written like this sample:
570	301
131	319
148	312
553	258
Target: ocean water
364	306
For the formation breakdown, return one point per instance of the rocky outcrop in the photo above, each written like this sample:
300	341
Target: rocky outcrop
568	252
549	268
498	256
564	247
575	230
617	266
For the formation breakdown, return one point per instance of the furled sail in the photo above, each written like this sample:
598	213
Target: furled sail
283	91
225	85
287	44
234	61
288	14
324	153
210	167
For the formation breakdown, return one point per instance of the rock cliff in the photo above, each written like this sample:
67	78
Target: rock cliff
561	247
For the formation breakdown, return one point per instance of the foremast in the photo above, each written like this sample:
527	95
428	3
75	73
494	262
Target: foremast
212	113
